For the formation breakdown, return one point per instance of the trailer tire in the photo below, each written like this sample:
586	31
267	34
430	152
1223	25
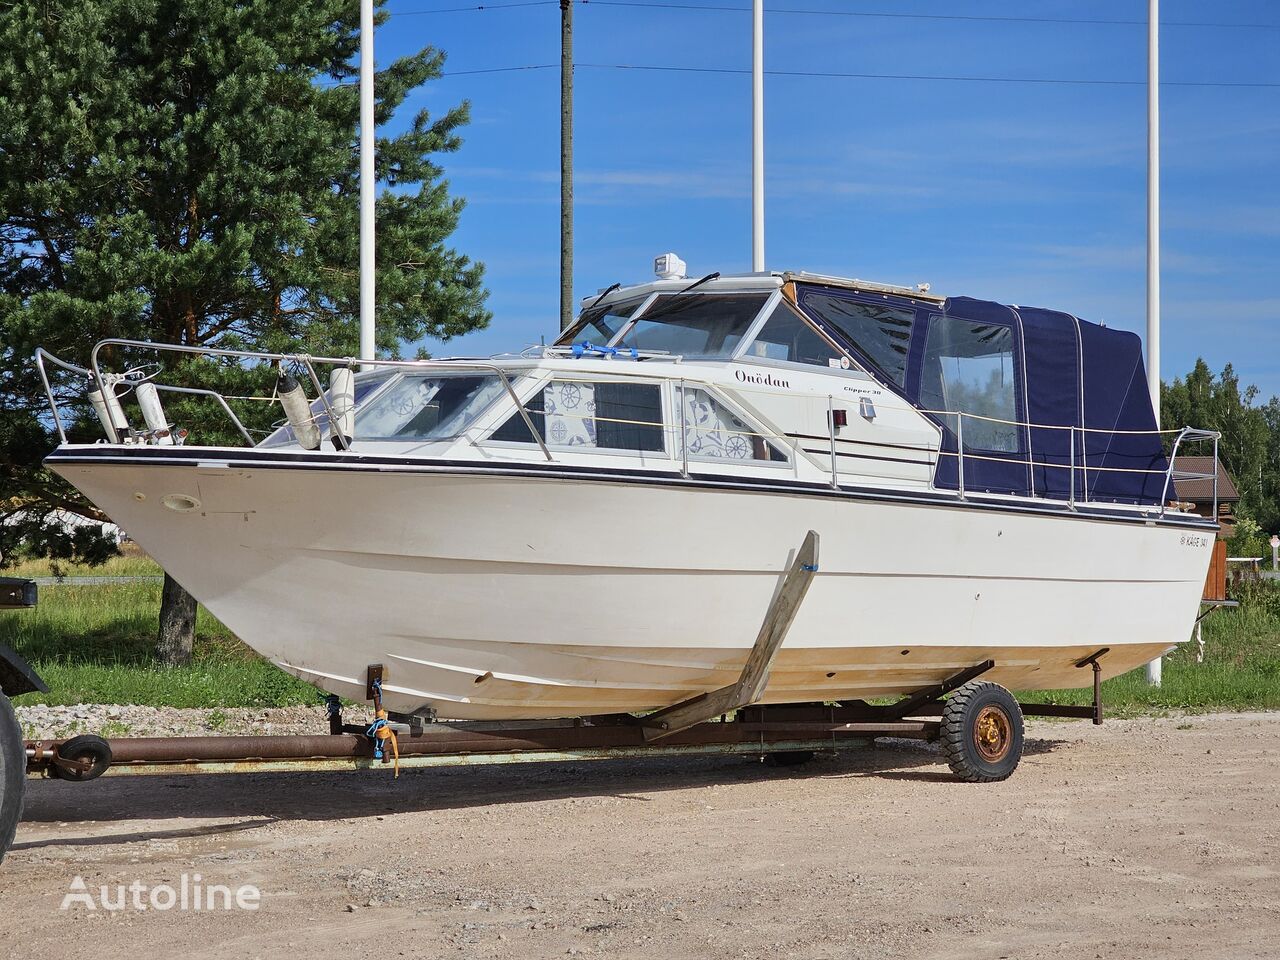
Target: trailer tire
788	758
13	774
981	732
89	748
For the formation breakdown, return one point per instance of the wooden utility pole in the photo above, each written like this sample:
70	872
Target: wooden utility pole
566	163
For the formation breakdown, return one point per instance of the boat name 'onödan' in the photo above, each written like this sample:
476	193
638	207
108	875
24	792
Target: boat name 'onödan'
764	379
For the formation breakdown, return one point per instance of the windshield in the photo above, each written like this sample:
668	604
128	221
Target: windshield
695	325
423	407
599	325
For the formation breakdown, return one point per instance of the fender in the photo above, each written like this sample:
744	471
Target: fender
16	675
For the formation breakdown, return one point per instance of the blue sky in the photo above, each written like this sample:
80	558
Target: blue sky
1024	193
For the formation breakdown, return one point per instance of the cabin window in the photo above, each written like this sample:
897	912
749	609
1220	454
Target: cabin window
713	432
968	367
600	325
695	325
788	336
879	330
420	407
603	416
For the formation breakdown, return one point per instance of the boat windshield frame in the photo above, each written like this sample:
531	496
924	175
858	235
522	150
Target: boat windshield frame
589	315
740	352
642	312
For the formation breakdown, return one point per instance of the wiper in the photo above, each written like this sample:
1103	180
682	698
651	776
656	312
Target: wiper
603	293
676	303
698	283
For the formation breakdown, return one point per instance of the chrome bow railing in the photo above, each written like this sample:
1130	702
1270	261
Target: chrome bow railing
1079	470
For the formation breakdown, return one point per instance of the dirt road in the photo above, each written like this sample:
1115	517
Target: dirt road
1142	839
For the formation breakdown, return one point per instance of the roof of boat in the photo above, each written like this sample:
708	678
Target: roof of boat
771	280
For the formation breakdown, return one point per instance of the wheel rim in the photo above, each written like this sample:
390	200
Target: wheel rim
992	734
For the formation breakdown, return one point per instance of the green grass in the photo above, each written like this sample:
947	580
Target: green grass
126	565
1241	668
94	644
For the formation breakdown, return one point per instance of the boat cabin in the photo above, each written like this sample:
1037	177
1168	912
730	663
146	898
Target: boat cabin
820	378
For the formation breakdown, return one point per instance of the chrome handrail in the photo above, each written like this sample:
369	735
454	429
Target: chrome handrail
308	362
1192	435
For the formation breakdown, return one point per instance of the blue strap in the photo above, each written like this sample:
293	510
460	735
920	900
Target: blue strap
372	734
580	350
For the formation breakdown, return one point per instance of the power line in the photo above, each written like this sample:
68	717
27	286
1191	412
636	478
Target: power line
478	8
824	75
666	5
867	14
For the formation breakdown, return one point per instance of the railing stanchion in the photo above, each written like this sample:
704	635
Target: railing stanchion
1215	476
524	415
684	435
334	432
48	392
960	452
1071	493
831	429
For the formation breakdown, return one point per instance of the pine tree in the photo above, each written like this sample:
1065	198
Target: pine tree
185	171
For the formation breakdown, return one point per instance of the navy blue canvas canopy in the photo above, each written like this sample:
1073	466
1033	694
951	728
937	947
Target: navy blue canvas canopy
1024	377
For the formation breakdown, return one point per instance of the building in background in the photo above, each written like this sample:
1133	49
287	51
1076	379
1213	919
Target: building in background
1199	493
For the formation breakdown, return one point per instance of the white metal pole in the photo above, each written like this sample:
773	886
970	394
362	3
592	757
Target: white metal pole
367	183
757	136
1153	234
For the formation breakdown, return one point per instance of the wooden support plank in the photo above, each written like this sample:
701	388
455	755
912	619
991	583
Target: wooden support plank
755	673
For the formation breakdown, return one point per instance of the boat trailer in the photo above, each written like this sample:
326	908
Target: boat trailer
979	726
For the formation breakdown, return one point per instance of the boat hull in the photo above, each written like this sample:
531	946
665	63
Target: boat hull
492	595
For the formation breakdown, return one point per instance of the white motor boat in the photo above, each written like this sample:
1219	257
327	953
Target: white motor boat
600	526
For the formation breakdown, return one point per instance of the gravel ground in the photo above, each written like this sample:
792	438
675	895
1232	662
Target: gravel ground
1150	838
56	723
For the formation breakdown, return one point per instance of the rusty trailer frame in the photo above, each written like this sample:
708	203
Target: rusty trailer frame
724	721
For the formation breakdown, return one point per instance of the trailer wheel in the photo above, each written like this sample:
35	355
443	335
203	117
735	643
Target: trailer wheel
13	774
981	732
92	750
788	758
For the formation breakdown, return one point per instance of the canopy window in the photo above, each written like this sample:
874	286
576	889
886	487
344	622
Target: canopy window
1081	388
968	368
880	331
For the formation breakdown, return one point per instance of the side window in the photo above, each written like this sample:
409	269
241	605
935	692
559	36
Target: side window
787	336
603	416
712	432
881	331
968	367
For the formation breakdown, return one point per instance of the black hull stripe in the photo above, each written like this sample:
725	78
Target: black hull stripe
869	456
909	447
255	457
